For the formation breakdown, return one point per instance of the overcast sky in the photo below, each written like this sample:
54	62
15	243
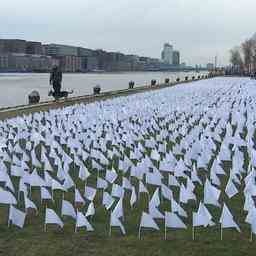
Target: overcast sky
199	29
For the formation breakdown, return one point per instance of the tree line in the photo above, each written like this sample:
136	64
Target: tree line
244	56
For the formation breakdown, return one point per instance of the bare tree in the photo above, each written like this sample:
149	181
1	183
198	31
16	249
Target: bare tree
235	57
248	52
253	55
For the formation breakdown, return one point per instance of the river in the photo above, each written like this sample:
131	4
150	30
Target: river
15	87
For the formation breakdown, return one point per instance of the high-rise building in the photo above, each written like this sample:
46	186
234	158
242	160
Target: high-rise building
176	58
167	54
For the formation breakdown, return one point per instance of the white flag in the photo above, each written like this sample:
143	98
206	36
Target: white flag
52	218
178	209
57	186
231	189
107	200
29	204
133	197
90	210
173	221
7	197
115	222
227	220
142	188
202	217
101	183
211	194
78	197
16	217
81	221
45	194
111	176
118	211
89	193
67	209
147	221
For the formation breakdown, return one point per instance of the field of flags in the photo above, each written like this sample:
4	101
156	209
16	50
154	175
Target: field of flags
181	158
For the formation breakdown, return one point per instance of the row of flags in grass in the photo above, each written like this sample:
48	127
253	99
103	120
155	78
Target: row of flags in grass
171	220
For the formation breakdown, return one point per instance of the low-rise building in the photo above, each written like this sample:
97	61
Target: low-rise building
71	63
90	63
34	48
84	52
59	50
4	62
12	46
19	62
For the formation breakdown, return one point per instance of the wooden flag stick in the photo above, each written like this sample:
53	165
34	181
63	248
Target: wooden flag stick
45	213
110	223
165	235
221	232
193	233
76	220
110	230
139	232
52	195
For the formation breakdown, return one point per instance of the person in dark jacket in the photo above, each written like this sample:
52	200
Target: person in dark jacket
56	79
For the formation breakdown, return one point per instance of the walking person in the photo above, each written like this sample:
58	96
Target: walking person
55	80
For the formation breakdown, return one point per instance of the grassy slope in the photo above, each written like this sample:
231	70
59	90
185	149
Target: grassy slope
33	241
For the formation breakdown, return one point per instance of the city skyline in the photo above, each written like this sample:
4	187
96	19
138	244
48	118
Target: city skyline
134	26
18	55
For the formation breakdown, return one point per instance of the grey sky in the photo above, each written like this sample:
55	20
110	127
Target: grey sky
200	29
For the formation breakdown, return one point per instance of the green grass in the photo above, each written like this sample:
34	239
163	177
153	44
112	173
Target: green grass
32	240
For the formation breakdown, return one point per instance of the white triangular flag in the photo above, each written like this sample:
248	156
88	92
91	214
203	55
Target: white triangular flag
227	220
90	210
16	217
133	197
115	222
67	209
81	221
78	197
147	221
29	204
52	218
173	221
